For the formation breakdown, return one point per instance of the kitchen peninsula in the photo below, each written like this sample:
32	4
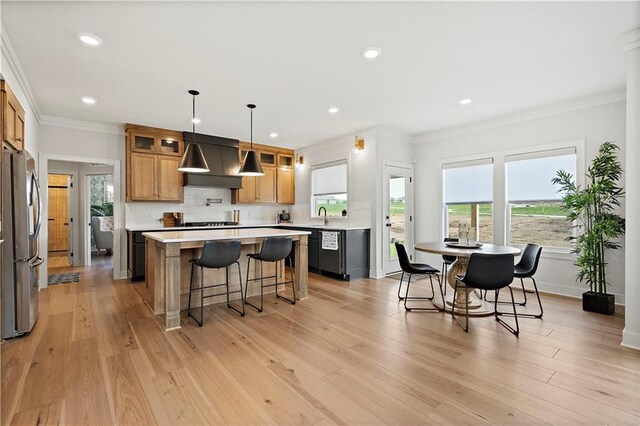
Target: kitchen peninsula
167	265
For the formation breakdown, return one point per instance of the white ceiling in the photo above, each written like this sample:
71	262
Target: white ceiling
294	60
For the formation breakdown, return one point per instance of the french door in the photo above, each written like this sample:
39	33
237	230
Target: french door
397	223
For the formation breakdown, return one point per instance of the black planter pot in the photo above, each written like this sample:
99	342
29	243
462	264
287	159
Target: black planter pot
600	303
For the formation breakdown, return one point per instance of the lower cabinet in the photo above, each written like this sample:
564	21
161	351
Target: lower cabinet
136	255
350	260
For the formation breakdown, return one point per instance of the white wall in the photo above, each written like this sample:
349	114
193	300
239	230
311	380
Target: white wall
594	124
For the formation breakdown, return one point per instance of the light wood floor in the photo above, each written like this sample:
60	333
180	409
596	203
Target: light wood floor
349	354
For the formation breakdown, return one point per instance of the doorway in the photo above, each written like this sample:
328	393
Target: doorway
398	213
60	229
99	199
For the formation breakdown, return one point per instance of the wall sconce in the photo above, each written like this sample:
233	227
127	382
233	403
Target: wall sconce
299	160
358	145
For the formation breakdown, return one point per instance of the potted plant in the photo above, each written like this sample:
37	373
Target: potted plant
592	211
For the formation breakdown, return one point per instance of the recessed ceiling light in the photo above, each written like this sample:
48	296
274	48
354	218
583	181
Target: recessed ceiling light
371	52
273	135
464	101
333	110
196	120
90	39
89	100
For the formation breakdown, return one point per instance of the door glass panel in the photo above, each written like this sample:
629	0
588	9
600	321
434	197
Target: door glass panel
169	145
397	213
266	158
143	142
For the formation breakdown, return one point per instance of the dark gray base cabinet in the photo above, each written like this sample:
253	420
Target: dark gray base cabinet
350	261
136	255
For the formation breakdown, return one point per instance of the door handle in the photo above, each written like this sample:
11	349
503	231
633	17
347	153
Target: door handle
388	225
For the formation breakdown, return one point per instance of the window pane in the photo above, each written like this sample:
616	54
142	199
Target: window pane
334	204
541	223
468	184
458	214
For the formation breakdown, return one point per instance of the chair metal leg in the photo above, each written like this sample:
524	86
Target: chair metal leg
465	327
201	297
407	297
535	286
517	303
514	331
445	269
293	286
246	290
400	285
241	312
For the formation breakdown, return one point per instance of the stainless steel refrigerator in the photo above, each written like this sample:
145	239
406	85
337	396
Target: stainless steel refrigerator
21	220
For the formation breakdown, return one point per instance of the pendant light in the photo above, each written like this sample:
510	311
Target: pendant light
193	160
251	165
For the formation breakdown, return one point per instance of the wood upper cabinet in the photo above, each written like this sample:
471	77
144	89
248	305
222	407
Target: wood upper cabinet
13	118
278	183
153	157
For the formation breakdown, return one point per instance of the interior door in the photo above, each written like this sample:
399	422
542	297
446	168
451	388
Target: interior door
58	209
397	208
69	222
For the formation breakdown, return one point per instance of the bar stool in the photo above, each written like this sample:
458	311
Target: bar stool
215	255
274	250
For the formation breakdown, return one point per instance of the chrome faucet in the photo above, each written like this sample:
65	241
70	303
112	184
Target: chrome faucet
326	221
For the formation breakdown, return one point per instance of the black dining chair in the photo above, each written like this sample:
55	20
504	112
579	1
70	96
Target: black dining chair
526	268
486	272
447	260
411	269
274	250
215	255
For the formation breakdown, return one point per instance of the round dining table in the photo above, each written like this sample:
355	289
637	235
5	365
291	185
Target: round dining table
477	306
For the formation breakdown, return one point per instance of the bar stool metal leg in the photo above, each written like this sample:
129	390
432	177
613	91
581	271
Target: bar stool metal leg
293	287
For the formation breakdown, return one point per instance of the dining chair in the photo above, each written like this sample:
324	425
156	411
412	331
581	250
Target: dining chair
411	269
526	268
486	272
447	260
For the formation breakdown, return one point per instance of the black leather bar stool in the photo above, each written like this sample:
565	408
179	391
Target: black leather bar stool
215	255
447	260
411	269
487	272
274	250
526	268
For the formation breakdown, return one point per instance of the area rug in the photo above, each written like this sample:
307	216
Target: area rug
72	277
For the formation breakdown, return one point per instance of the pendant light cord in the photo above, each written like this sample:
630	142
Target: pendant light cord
251	128
193	120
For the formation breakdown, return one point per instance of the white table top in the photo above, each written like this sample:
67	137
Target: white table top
220	234
438	247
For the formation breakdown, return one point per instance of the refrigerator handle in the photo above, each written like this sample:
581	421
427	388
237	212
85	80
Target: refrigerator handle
36	186
36	262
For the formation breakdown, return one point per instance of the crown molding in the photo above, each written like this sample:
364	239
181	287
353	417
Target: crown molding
89	126
631	40
527	115
16	67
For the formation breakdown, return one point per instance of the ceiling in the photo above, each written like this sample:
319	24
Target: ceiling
295	60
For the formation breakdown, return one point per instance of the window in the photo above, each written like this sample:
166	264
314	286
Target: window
468	197
329	188
535	215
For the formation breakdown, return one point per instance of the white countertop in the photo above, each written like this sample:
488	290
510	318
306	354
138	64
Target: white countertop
219	234
330	227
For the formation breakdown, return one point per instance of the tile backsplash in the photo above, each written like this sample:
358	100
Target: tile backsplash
195	209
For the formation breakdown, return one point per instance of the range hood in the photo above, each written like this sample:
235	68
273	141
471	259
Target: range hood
222	155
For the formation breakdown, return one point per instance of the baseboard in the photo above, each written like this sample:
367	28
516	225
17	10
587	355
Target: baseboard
630	339
575	292
376	273
123	275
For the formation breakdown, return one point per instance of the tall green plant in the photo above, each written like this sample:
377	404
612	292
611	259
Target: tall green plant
591	210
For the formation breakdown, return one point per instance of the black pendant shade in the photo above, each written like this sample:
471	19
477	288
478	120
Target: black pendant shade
251	165
193	160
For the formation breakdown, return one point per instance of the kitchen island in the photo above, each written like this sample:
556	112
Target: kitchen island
168	272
